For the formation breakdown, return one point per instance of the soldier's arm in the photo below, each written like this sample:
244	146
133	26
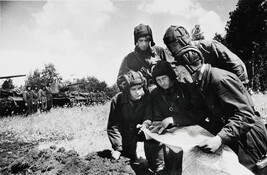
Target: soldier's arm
124	68
113	127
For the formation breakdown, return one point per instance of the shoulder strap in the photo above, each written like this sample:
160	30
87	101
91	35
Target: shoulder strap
172	106
139	59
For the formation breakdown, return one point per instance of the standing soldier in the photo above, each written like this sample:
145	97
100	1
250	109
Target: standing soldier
144	56
42	98
49	97
28	97
35	104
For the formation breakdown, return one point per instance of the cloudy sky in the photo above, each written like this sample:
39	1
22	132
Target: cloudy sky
91	37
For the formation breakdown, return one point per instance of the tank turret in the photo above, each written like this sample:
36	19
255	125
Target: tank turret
11	101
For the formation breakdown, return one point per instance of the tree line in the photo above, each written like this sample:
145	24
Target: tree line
246	36
87	84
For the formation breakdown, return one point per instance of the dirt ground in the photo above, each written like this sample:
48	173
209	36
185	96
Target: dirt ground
24	158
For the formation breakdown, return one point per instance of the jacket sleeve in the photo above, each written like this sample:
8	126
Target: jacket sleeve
230	60
113	127
148	107
124	68
239	113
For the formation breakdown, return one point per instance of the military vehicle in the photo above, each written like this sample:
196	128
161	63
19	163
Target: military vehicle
11	101
79	97
60	95
63	96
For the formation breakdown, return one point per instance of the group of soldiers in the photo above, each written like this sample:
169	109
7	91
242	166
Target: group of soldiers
192	82
37	98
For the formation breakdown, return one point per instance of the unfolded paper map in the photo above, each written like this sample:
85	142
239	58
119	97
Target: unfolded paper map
223	162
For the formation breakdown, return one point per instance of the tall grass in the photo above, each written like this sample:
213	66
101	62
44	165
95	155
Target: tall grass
80	128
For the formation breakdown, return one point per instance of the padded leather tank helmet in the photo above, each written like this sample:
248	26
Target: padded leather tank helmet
143	31
133	78
176	34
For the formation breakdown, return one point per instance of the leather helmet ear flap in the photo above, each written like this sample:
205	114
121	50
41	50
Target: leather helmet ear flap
186	57
187	49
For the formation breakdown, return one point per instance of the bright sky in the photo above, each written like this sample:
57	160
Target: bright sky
91	37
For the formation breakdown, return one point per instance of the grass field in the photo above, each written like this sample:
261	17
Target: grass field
80	128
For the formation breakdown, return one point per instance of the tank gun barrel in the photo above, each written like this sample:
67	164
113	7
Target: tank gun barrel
12	76
74	84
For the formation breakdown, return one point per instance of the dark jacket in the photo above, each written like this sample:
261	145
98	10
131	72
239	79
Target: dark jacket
124	115
231	115
139	60
217	55
176	102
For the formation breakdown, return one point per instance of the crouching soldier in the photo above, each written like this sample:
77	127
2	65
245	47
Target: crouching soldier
130	109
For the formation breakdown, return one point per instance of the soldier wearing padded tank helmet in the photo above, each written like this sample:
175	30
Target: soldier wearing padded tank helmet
229	111
130	110
144	56
214	52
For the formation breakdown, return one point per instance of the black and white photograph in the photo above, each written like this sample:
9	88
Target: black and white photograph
133	87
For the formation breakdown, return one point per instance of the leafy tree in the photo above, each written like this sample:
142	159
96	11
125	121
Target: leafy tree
247	36
220	38
48	74
113	90
35	78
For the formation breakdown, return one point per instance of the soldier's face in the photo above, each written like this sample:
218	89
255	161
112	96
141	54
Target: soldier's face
183	74
136	92
143	43
164	81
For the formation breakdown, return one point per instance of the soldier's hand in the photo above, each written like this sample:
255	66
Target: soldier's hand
210	145
145	125
163	125
115	155
154	123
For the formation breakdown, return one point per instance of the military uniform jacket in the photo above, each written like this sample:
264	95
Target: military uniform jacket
217	55
123	117
28	96
142	61
42	96
176	103
231	115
